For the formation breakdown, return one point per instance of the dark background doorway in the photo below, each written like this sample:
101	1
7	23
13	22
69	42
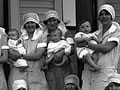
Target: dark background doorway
5	25
85	9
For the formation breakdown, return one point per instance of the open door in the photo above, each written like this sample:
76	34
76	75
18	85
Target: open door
87	9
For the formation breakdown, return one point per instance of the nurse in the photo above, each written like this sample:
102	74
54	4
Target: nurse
108	49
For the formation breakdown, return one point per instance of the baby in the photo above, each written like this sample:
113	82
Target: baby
85	35
56	44
71	82
15	43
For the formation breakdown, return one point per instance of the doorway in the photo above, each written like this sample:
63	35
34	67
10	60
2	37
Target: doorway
85	9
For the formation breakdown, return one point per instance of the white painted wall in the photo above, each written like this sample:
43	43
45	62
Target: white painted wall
14	14
69	12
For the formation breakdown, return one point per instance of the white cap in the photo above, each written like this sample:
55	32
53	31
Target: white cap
114	78
72	79
21	63
109	8
50	14
31	17
19	84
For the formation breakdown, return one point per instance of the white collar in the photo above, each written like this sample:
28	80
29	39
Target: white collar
111	30
38	32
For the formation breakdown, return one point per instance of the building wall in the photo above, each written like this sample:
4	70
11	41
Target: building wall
35	6
20	7
116	5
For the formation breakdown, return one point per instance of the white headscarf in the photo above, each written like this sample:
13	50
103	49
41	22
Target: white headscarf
54	14
34	18
109	8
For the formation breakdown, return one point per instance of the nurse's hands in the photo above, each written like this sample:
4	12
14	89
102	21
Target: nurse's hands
81	44
58	56
14	55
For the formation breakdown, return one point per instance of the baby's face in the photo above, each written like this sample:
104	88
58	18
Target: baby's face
70	86
55	37
85	27
114	87
13	35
